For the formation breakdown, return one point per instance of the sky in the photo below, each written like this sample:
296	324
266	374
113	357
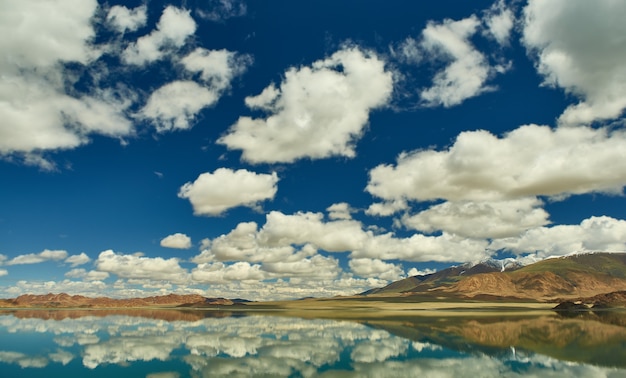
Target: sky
286	149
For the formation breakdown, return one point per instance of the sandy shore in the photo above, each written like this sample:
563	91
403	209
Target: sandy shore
361	308
376	309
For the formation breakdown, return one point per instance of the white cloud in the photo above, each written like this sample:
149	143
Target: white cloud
221	273
44	105
177	240
421	248
243	244
592	234
173	29
293	238
35	258
92	275
138	267
3	272
487	219
529	161
175	105
304	228
580	47
214	193
409	51
386	208
38	30
466	74
318	111
124	19
340	211
217	68
316	267
415	272
38	113
366	267
76	260
499	20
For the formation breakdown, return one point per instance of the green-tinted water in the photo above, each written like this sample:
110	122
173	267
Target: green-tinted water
169	343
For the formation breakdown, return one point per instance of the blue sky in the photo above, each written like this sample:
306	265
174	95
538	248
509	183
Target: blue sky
278	149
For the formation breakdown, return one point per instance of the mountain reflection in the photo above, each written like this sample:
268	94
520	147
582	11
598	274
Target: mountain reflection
169	343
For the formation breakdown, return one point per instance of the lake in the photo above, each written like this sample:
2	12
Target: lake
172	343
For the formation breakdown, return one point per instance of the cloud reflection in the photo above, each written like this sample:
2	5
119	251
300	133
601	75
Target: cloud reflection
279	346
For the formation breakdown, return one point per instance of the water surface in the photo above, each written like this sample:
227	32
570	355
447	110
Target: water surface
171	343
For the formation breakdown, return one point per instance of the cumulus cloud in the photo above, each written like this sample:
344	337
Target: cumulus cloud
316	267
499	20
307	227
38	113
139	267
216	67
340	211
76	260
486	219
318	111
529	161
386	208
44	107
592	234
175	105
586	61
177	240
461	70
422	248
3	272
365	267
211	194
243	244
221	273
172	30
35	258
123	19
295	237
466	74
85	275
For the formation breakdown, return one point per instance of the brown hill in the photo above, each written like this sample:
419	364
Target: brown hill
554	279
78	301
446	277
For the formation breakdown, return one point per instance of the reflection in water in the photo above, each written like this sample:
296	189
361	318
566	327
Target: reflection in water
167	344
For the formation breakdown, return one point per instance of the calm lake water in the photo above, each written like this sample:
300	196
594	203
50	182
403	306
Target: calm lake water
170	343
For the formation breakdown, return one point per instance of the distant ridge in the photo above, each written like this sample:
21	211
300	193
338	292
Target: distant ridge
63	300
574	276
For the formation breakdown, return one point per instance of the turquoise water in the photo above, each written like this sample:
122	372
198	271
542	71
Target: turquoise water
168	344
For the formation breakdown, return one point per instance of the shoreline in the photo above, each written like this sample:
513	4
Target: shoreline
339	309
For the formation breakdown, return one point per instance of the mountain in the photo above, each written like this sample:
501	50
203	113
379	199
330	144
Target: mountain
581	275
444	277
78	301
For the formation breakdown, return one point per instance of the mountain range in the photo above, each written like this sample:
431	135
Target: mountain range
78	301
553	279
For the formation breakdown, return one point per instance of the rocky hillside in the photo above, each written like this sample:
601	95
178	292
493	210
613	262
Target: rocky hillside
575	276
78	301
